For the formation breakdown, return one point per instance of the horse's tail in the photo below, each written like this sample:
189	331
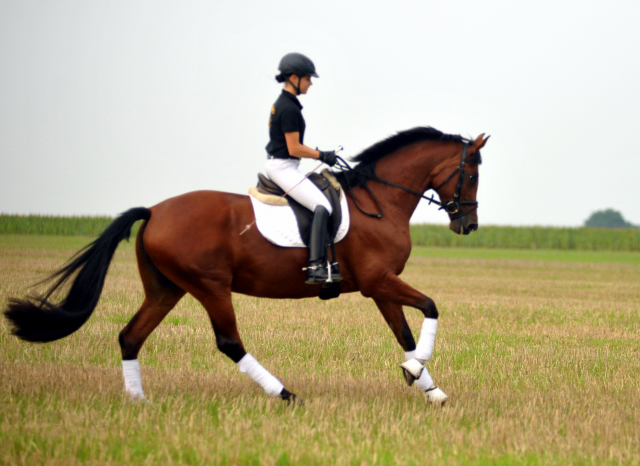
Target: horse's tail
36	319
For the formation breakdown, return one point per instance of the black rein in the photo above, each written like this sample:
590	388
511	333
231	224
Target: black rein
452	207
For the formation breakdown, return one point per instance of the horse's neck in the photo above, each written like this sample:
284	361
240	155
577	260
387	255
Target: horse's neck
412	167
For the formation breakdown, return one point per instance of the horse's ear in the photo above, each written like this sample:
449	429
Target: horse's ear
480	142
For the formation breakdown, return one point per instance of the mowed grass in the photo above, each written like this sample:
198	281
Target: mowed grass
538	353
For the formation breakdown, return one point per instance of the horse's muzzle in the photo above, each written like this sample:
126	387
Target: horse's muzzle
464	225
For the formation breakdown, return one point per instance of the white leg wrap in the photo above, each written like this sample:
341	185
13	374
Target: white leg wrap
425	381
260	375
416	372
427	339
132	381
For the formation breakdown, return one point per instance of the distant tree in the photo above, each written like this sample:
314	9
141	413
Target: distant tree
608	218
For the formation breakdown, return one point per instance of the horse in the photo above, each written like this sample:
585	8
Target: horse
192	244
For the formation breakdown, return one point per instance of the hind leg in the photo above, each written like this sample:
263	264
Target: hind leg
132	337
217	301
161	295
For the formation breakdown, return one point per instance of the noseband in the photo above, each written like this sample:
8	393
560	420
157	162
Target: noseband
452	207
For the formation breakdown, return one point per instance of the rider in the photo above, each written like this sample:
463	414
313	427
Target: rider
286	146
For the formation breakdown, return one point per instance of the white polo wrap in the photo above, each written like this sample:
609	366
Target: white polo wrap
132	381
427	339
425	381
260	375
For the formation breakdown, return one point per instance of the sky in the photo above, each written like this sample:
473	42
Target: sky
108	105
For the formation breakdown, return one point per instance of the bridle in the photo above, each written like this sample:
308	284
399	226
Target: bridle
452	207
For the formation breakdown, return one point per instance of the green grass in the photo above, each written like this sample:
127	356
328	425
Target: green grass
536	349
53	225
582	239
555	255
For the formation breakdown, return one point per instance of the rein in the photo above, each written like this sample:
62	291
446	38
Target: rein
452	207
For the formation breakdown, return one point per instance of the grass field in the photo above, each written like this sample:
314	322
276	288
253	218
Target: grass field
488	236
538	351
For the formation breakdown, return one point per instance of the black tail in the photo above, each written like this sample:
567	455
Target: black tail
36	319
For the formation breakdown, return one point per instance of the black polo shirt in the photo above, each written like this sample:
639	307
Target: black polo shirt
286	117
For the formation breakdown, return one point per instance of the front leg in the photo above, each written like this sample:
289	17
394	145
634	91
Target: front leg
398	293
394	316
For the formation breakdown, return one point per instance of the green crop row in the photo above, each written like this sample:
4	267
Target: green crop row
49	225
586	239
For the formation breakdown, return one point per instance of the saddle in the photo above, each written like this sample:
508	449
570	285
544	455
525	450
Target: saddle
325	181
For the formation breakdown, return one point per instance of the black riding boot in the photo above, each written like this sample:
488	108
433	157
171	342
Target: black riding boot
316	270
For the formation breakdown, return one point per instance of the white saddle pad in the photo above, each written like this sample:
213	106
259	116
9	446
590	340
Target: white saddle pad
278	223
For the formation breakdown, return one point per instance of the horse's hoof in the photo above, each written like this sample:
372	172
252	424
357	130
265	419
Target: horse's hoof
435	396
408	378
411	370
290	398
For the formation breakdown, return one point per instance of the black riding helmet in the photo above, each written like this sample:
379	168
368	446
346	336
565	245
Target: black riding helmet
298	64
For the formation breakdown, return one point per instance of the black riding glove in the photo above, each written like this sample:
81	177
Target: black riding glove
328	157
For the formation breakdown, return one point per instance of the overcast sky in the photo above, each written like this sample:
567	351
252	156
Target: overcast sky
107	105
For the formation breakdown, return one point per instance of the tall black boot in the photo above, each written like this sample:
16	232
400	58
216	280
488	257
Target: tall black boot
316	270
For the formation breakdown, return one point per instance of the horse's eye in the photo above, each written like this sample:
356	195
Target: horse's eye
473	179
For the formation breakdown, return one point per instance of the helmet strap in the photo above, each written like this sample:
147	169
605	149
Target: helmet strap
297	88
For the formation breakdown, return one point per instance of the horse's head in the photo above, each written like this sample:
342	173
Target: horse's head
449	167
458	188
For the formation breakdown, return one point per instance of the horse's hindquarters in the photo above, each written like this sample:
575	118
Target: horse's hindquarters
196	237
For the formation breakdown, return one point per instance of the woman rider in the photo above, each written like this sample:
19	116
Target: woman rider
286	147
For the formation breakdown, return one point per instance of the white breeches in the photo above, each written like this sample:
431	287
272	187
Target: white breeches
285	173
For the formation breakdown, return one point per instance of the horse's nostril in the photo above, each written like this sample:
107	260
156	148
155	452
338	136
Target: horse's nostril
473	227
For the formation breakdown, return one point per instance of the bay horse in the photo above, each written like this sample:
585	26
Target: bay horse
191	244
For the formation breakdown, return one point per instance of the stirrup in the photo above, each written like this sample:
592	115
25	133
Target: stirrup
320	274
